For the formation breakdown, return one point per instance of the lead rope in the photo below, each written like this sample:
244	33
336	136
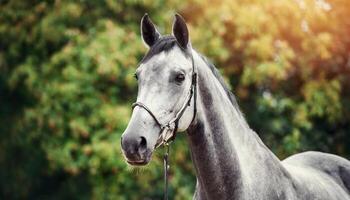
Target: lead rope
166	170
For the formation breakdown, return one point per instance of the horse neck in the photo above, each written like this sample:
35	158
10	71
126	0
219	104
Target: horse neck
229	158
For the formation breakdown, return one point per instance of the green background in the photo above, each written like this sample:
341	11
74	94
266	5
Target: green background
66	87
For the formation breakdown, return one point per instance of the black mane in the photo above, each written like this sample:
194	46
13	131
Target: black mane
218	76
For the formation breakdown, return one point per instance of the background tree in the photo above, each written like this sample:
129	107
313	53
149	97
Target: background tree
66	87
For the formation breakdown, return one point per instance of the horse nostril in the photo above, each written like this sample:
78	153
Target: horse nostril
143	143
133	146
125	143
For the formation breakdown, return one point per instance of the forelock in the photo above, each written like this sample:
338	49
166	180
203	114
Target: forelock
164	44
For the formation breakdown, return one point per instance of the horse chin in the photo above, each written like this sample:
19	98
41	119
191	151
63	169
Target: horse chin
144	160
138	163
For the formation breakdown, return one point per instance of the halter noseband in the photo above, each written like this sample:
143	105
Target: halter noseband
168	130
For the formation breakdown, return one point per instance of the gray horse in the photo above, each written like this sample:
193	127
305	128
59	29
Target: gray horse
231	161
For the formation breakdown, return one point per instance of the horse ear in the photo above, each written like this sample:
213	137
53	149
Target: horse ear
149	32
180	32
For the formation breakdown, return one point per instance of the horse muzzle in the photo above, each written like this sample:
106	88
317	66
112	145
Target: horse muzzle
135	150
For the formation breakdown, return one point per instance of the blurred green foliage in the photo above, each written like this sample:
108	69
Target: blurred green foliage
66	85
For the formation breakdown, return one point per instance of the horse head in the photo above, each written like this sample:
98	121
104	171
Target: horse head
166	83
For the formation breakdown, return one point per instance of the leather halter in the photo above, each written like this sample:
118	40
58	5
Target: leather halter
169	129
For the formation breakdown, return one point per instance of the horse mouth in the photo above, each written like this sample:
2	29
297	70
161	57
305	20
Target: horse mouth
137	162
138	159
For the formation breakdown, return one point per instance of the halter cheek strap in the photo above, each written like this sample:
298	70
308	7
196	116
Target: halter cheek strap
168	130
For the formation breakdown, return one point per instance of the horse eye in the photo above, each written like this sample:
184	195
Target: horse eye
136	77
180	77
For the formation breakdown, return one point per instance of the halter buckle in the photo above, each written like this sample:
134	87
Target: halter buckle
166	133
